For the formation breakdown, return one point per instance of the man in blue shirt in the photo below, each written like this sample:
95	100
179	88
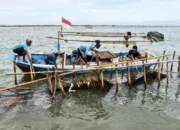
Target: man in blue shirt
84	50
50	59
21	49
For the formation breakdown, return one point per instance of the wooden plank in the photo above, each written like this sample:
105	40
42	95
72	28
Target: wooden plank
102	41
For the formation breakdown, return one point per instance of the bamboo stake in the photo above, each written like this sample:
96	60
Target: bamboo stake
31	71
135	64
60	86
97	59
50	83
174	53
41	72
167	71
111	74
163	60
58	41
23	84
102	79
129	77
15	76
144	73
122	67
179	65
117	79
62	64
74	67
155	65
146	56
159	74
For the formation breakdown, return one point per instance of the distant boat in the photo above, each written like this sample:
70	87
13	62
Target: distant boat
89	26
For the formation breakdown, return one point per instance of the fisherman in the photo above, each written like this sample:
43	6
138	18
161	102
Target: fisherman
21	50
51	58
84	50
134	53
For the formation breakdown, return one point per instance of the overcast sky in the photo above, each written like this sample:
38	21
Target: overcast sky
90	11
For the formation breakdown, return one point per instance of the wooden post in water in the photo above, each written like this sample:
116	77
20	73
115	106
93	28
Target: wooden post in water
122	67
50	83
111	73
117	78
62	63
60	86
174	53
102	78
97	59
129	76
159	74
144	73
146	56
15	76
74	67
31	69
167	71
164	52
179	65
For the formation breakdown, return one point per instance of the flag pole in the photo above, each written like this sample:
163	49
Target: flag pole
65	46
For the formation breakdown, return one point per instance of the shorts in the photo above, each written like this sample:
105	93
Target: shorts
81	53
19	51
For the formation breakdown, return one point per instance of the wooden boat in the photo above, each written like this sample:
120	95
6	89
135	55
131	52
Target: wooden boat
39	64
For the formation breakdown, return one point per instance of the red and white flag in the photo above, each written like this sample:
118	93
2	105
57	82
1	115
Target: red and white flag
66	23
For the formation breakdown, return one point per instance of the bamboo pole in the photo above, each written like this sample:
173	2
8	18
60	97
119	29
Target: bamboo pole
105	33
163	60
23	84
135	64
117	79
40	72
74	67
58	41
174	53
32	78
50	83
101	35
103	41
102	79
15	76
122	67
159	74
62	64
60	86
129	77
179	65
144	73
97	59
155	65
111	73
167	71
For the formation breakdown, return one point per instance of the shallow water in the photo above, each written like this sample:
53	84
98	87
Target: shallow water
90	109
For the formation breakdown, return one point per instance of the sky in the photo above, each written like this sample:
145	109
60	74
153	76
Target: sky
107	12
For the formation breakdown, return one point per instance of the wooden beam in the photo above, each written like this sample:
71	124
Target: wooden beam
102	41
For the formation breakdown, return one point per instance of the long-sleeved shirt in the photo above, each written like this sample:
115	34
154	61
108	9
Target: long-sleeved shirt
87	48
51	59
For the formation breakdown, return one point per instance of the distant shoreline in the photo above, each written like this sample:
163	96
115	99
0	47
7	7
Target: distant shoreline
92	25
